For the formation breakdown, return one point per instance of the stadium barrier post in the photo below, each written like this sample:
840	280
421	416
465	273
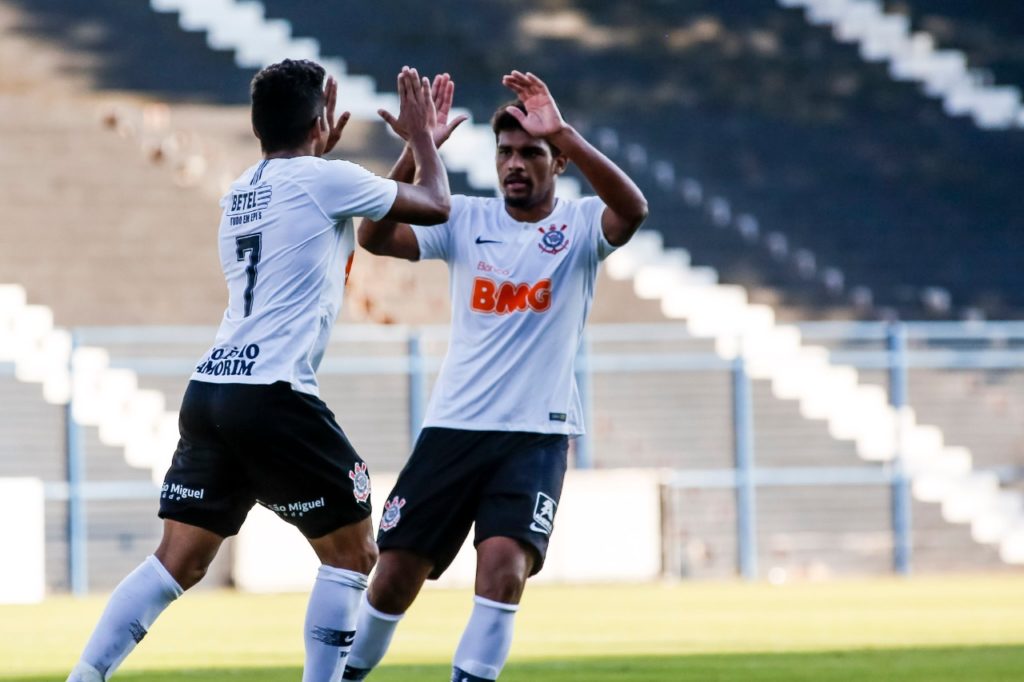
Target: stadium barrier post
78	567
901	503
417	385
743	451
584	451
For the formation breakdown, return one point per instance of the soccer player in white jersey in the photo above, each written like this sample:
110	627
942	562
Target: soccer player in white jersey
253	429
493	450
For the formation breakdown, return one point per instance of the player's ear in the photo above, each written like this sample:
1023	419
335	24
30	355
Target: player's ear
316	128
560	163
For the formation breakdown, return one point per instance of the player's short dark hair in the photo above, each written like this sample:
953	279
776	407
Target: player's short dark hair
287	97
502	120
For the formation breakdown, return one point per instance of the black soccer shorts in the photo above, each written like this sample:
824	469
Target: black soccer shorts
508	483
242	444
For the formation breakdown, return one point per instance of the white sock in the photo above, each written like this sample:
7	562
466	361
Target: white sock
133	606
373	636
485	642
331	622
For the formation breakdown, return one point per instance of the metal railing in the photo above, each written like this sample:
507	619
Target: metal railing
417	352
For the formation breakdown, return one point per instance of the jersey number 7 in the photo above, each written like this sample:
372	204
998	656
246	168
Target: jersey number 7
251	244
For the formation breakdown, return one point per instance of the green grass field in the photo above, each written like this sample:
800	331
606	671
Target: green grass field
968	629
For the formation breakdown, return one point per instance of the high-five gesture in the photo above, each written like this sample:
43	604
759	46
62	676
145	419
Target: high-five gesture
416	110
542	117
442	91
330	130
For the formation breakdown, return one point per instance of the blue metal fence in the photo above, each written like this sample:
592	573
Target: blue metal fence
895	348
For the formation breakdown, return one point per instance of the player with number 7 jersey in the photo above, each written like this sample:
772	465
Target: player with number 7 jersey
286	243
253	429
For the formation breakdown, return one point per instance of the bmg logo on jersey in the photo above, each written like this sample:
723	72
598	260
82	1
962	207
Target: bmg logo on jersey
544	514
502	298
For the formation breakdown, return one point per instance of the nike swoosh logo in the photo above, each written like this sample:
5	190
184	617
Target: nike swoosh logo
481	240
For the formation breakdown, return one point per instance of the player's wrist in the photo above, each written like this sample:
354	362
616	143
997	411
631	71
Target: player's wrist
565	138
420	137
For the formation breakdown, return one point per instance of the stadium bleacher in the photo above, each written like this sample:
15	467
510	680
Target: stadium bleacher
766	111
988	32
819	151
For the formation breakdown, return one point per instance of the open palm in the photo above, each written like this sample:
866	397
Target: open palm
442	92
542	117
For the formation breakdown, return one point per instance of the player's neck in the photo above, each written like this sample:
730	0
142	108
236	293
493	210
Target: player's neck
534	213
306	150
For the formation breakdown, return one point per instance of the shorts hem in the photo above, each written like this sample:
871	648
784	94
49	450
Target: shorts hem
319	531
198	521
540	554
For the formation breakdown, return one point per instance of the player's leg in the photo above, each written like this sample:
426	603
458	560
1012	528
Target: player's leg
306	470
426	520
346	557
181	560
396	583
513	524
201	503
503	564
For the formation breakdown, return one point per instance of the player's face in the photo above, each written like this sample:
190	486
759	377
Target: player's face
526	168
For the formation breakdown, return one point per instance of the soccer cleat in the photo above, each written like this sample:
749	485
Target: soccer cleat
355	673
83	672
459	675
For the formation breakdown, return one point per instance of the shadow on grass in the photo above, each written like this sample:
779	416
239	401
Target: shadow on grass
945	664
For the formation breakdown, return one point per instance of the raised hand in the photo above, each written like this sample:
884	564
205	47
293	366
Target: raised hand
330	130
416	109
443	92
542	117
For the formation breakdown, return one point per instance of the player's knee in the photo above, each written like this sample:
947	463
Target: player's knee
194	575
393	596
361	557
368	556
185	572
397	582
503	585
503	565
350	547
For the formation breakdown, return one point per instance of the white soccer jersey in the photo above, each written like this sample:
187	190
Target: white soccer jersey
520	293
286	243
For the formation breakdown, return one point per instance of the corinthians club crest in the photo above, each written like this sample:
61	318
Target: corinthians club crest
360	482
392	512
553	239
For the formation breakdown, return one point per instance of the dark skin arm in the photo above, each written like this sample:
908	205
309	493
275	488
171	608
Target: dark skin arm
626	207
392	235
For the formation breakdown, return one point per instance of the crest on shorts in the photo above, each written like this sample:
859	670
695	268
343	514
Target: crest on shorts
360	482
553	239
392	513
544	514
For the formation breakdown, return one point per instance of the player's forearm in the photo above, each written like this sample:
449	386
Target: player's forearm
430	173
618	192
404	169
374	235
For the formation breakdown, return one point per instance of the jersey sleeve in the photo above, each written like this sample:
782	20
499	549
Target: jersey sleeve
593	210
344	189
435	241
